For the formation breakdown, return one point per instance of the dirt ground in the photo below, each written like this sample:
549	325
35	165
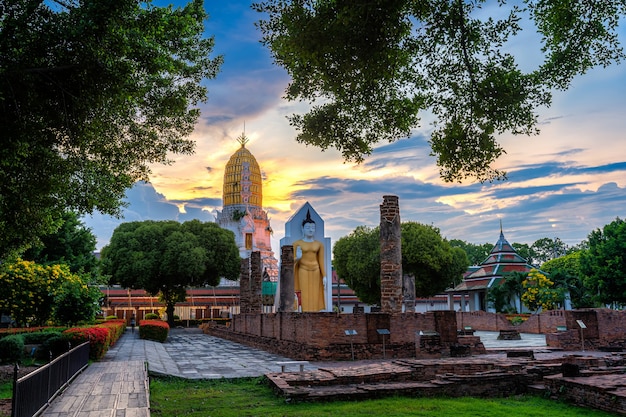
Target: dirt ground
6	375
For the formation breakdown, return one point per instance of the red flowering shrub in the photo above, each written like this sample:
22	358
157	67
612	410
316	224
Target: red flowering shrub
154	330
116	329
98	337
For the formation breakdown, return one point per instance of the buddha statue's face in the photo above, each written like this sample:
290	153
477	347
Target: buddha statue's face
308	230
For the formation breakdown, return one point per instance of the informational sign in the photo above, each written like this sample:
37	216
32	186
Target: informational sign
581	324
383	331
350	332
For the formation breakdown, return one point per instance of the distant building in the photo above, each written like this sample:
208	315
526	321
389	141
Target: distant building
242	211
502	260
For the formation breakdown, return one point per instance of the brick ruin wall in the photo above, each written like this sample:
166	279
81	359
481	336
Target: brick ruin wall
322	336
546	322
606	328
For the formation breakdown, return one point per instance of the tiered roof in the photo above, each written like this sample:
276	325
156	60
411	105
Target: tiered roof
502	260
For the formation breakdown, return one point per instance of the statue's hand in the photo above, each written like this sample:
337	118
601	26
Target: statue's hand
324	282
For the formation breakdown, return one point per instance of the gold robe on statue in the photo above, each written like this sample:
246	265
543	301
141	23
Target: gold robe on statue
308	275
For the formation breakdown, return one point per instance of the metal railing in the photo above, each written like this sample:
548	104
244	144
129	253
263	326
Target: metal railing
33	392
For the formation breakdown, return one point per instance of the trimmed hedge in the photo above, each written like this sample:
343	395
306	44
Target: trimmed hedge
100	337
152	316
154	330
11	348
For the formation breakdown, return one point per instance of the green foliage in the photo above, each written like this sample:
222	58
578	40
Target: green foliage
566	273
503	294
35	294
72	244
27	291
356	259
604	263
426	256
540	292
476	254
166	257
37	338
76	302
11	348
55	346
152	316
92	94
370	69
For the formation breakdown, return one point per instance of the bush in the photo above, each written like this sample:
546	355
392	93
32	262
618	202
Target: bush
57	345
154	330
107	318
99	339
152	316
11	348
39	338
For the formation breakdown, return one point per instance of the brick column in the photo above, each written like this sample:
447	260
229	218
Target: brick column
256	283
390	256
244	286
286	300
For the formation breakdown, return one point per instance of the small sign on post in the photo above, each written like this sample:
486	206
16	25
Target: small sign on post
383	332
351	332
582	339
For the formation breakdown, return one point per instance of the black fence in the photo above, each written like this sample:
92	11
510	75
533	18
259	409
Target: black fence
32	392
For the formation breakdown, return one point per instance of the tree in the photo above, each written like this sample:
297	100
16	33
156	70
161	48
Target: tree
539	292
426	256
91	94
475	253
429	258
545	249
604	263
504	295
166	257
72	244
75	301
356	259
371	68
525	251
34	294
566	273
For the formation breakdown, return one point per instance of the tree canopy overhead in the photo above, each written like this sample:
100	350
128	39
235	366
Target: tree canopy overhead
371	68
91	93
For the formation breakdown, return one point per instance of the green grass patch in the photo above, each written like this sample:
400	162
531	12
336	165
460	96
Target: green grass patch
254	397
6	390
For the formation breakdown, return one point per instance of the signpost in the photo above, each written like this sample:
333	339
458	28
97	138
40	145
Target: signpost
349	333
582	339
383	332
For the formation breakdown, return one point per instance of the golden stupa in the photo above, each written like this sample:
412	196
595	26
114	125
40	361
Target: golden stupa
242	178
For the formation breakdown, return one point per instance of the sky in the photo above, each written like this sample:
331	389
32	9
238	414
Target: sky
563	183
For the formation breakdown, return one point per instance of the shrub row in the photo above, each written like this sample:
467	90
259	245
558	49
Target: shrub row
154	330
56	341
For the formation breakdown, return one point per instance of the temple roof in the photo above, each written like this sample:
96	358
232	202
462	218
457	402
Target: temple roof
502	260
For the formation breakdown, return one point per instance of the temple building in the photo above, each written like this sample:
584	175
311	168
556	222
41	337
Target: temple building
242	211
502	260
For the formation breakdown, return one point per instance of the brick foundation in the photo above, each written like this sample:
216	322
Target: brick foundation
322	336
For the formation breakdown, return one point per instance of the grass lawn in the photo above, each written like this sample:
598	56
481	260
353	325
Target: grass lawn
6	389
253	397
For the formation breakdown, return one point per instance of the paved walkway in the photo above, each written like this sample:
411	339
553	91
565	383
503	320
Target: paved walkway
117	386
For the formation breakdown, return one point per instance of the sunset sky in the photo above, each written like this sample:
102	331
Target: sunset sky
564	183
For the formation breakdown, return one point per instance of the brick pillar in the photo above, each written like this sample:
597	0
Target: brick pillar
244	286
390	256
286	300
256	283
